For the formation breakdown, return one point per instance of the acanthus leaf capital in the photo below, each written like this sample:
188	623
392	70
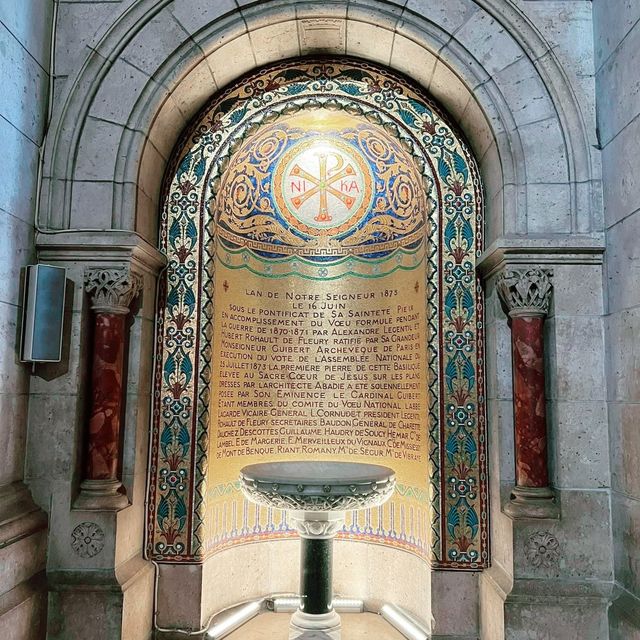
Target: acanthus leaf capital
112	289
525	291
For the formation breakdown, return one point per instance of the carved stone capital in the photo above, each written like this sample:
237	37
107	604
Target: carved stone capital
318	526
112	289
525	292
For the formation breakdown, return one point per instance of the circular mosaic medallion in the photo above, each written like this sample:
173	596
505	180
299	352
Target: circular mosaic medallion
323	187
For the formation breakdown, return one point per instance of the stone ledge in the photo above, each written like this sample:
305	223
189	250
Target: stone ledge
35	585
625	606
23	609
116	580
100	247
541	250
497	579
20	517
547	591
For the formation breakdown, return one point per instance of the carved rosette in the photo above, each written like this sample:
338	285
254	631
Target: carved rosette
112	289
87	539
525	292
543	549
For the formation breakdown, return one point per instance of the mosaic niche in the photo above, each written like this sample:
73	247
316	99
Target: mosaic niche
322	222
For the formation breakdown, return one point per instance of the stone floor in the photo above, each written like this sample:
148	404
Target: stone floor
355	626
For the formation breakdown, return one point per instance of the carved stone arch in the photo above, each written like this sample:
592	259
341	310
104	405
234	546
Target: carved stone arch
160	60
230	227
98	137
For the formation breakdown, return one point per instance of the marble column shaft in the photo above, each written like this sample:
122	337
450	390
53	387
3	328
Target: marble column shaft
112	291
529	401
106	397
526	294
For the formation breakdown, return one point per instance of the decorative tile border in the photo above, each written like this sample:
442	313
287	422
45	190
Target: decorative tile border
178	487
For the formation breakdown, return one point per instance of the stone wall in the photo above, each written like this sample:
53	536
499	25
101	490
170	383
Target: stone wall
617	54
518	77
25	28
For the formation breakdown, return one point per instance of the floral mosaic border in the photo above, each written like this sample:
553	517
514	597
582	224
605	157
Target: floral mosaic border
178	483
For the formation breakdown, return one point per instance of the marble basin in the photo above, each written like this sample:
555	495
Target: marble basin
318	494
317	486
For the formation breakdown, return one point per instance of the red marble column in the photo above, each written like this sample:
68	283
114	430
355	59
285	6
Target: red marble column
529	401
526	294
106	397
112	291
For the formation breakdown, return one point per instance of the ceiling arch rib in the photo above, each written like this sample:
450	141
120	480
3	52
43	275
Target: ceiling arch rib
159	62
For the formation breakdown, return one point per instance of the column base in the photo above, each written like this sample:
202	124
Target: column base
532	502
101	495
308	626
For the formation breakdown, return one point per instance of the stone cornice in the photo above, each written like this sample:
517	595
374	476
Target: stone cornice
100	248
540	251
20	517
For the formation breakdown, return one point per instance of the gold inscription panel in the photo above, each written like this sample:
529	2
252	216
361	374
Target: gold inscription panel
308	369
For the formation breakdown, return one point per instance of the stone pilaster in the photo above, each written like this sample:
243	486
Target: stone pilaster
540	571
99	584
526	294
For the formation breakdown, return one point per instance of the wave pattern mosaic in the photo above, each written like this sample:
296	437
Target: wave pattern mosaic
322	222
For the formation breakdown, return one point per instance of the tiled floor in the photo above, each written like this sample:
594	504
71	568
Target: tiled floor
355	626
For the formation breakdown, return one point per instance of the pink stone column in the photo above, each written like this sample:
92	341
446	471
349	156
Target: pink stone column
112	291
526	294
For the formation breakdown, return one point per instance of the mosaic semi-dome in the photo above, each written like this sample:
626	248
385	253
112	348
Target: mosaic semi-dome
321	192
322	184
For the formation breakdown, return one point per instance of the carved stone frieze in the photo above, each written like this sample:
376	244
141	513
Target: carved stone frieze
112	289
525	292
273	495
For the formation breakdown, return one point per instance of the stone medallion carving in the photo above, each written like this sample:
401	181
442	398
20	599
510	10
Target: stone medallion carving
543	549
87	539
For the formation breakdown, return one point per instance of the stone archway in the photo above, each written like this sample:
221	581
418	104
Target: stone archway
481	90
141	80
396	216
